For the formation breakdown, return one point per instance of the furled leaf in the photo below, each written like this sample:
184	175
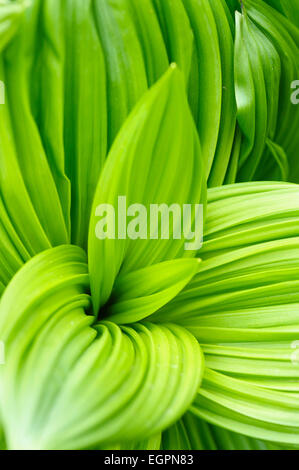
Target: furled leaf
250	95
248	409
209	76
285	38
289	8
66	384
228	104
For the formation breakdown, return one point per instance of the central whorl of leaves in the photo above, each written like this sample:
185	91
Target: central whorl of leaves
71	382
108	353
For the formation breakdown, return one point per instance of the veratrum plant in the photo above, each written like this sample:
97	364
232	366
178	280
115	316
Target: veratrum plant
121	343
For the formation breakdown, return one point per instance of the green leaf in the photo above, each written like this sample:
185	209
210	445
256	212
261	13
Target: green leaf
248	409
285	38
140	293
289	9
281	159
161	130
126	75
150	37
209	76
85	108
67	384
251	96
193	433
177	33
46	81
243	308
25	151
10	19
228	105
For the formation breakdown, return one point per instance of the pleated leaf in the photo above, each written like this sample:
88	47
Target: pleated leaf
156	159
140	293
85	108
126	74
209	82
66	384
28	153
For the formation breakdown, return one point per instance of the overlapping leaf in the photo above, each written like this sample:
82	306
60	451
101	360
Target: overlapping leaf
31	217
30	157
257	78
192	433
66	384
177	33
285	38
243	307
289	9
10	18
147	168
126	74
140	293
150	37
85	112
74	70
209	78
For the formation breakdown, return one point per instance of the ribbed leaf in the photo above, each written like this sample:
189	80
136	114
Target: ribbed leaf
85	108
151	39
161	131
68	385
192	433
209	76
177	33
250	95
248	409
29	155
243	307
140	293
46	93
228	105
289	8
10	19
285	38
126	75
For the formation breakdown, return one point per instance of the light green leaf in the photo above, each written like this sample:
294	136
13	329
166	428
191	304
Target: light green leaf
285	38
209	76
248	409
150	37
10	19
192	433
68	385
85	108
177	33
140	293
228	105
25	150
161	131
46	94
250	89
126	75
